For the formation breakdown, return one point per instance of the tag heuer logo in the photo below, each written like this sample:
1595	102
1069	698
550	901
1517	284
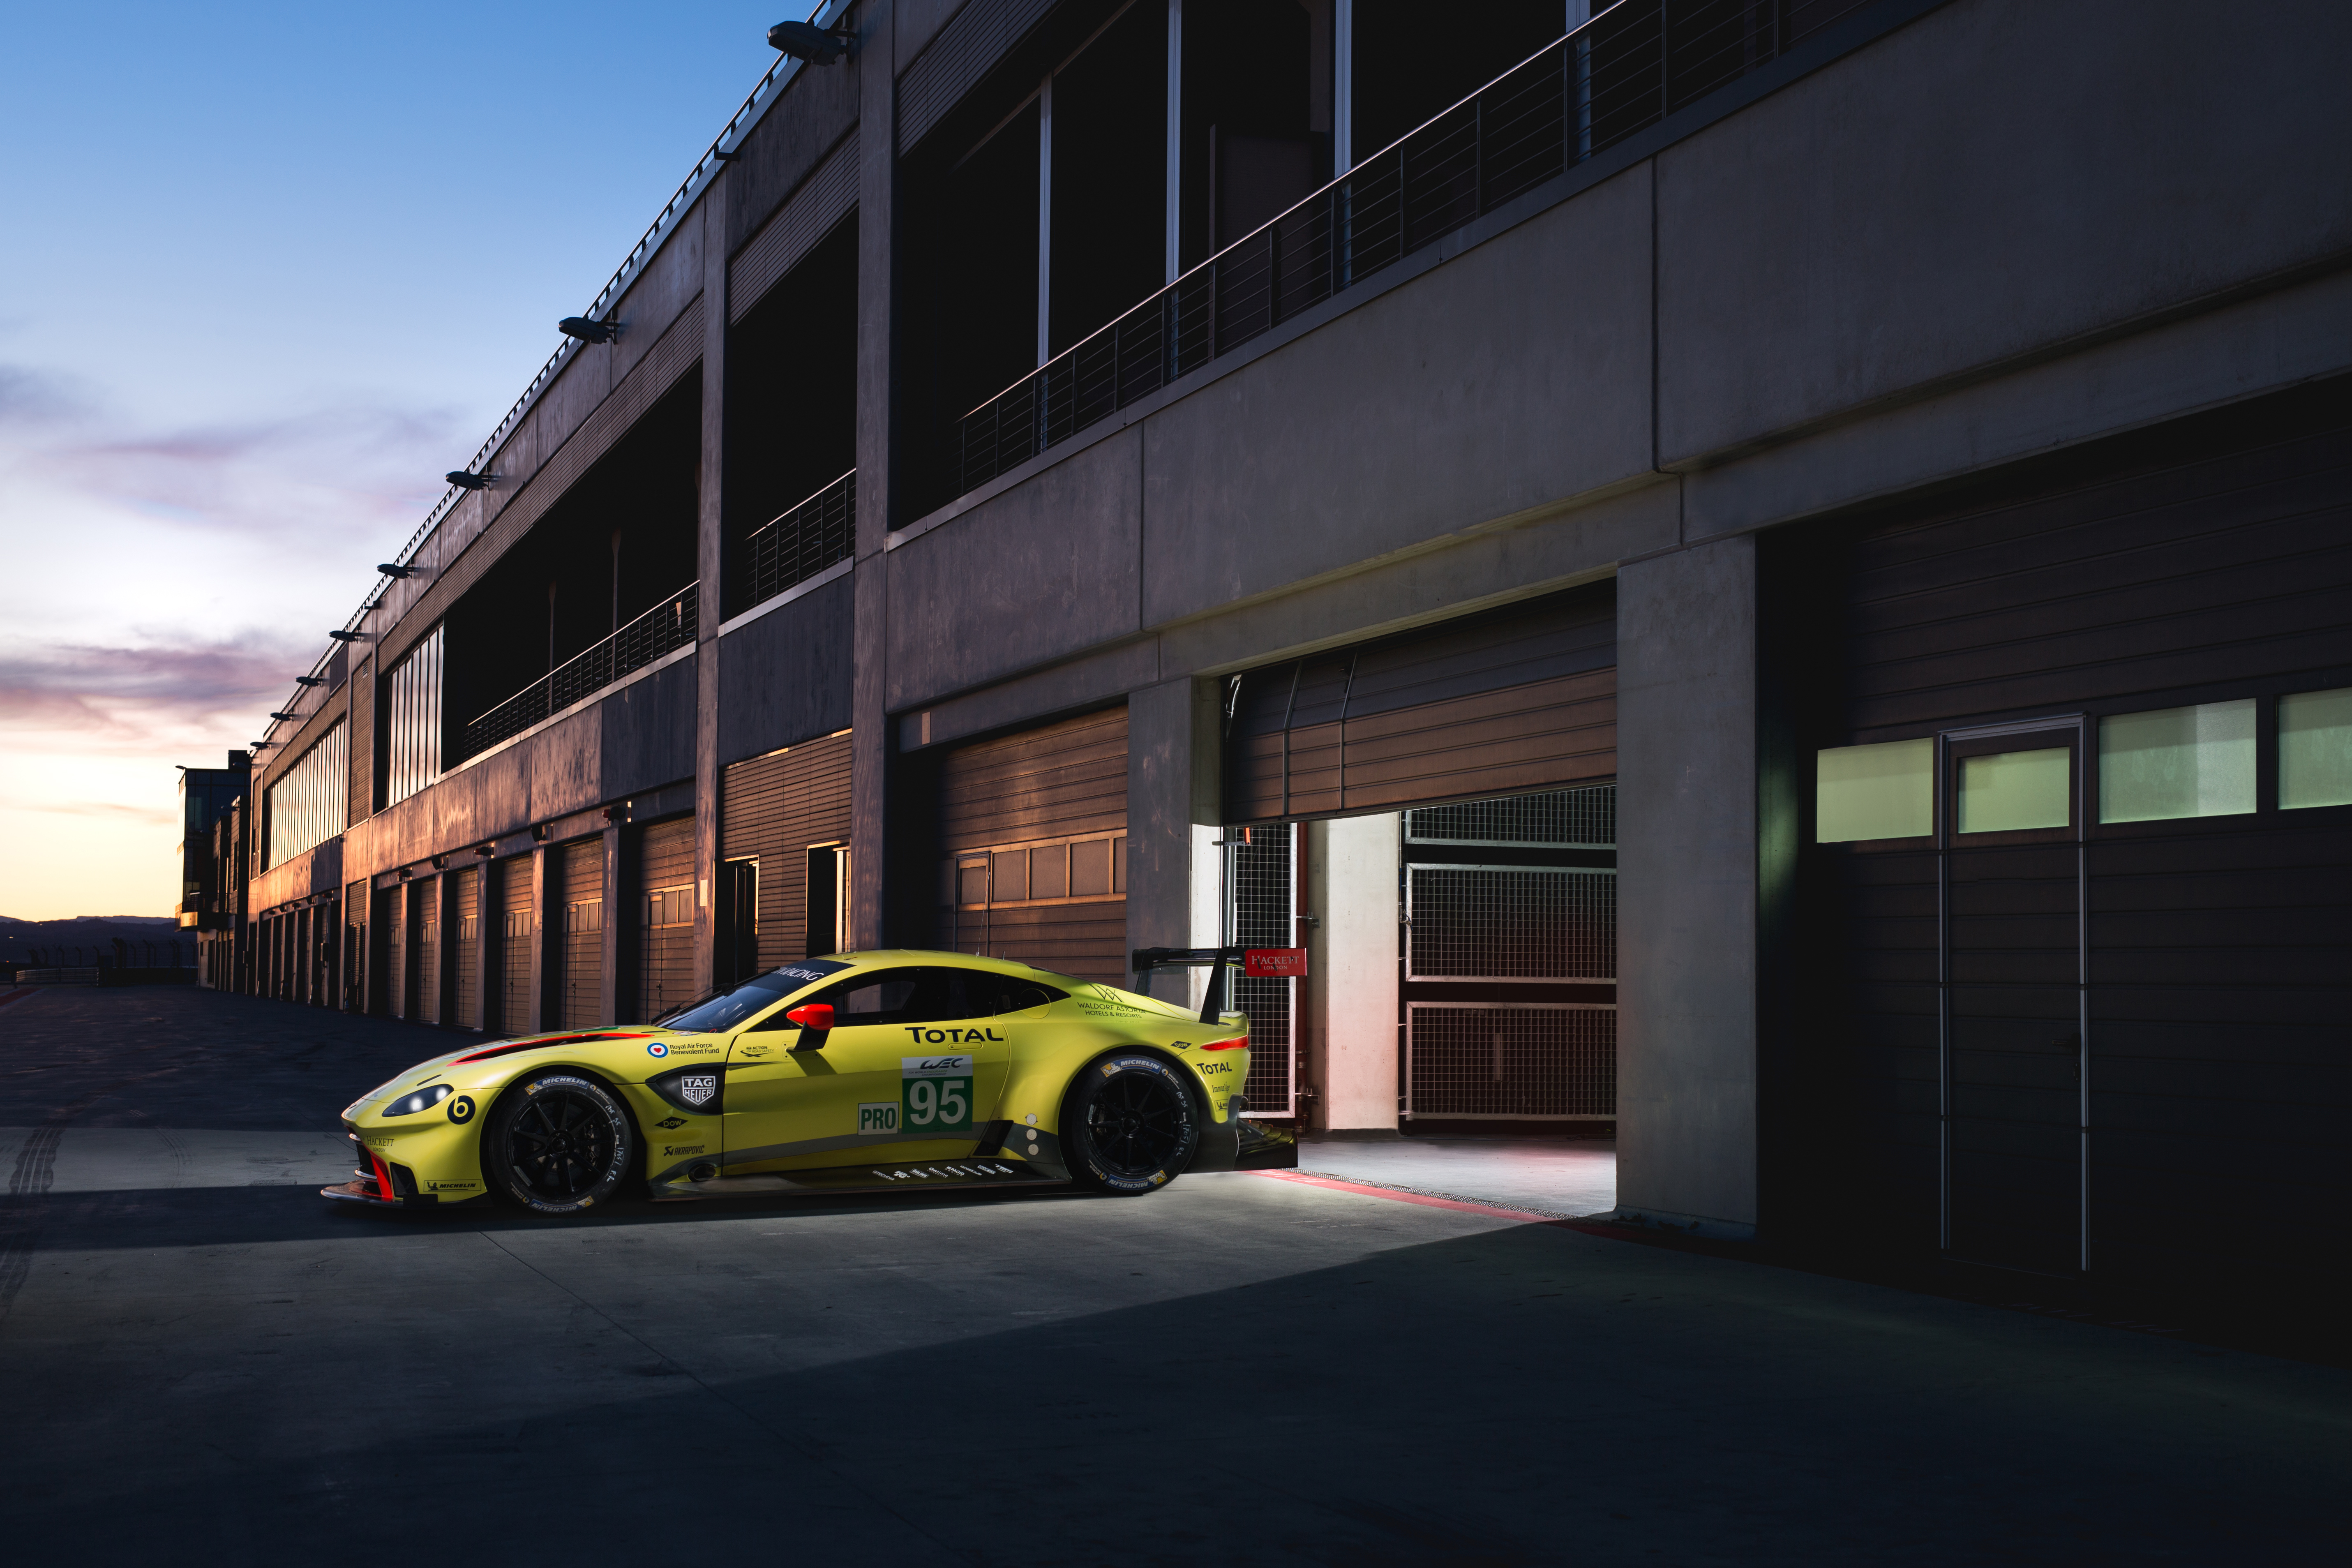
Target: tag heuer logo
698	1088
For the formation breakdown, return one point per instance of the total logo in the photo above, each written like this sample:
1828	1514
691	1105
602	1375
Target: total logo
655	1048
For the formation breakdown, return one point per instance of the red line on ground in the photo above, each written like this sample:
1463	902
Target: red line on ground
1424	1198
19	994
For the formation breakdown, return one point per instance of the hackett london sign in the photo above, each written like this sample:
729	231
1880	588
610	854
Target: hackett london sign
1274	962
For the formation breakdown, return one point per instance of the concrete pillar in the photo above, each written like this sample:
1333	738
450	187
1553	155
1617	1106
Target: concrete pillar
1351	1048
869	740
1686	1018
710	558
1171	788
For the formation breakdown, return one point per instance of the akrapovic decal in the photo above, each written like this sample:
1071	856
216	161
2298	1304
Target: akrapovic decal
934	1095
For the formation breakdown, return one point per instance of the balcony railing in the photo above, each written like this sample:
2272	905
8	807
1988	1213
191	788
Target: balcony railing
668	625
796	546
1617	75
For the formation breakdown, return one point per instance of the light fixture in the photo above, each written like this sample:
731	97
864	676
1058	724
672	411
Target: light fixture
807	41
466	479
484	851
286	717
347	637
257	745
587	332
309	681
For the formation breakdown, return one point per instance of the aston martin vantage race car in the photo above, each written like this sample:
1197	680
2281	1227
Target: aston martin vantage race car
861	1071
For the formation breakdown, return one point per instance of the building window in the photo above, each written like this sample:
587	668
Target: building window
413	720
2178	762
2014	792
1885	791
2315	749
307	803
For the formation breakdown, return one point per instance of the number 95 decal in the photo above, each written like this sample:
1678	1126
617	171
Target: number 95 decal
935	1094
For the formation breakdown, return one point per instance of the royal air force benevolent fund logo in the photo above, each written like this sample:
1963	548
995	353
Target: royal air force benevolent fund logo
698	1088
657	1049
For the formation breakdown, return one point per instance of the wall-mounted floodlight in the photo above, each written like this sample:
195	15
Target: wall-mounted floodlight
346	637
807	41
309	680
286	717
587	332
466	479
485	850
257	745
390	569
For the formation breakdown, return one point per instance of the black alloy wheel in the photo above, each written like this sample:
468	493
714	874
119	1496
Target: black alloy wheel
1131	1125
559	1143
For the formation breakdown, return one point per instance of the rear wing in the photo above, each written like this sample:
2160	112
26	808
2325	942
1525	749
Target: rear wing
1218	959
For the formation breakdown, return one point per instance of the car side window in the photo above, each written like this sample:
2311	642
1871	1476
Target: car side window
889	997
990	995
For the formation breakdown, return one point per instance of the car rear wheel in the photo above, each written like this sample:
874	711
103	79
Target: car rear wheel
1129	1125
559	1143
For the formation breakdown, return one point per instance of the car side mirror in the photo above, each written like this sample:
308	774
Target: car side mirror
817	1017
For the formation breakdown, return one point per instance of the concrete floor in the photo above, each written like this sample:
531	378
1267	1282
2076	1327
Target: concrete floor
1569	1177
204	1362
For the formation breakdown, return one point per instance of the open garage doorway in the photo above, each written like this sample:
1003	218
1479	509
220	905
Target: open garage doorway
1455	1030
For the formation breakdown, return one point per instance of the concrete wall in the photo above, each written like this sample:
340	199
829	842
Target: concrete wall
1687	888
1351	957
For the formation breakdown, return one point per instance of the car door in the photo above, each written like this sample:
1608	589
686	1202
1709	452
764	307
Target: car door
904	1074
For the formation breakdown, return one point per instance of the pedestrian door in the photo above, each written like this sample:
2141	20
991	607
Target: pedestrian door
2013	1006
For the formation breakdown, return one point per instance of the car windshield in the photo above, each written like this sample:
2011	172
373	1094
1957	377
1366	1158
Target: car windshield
724	1009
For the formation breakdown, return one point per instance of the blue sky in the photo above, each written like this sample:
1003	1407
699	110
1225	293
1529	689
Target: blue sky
267	271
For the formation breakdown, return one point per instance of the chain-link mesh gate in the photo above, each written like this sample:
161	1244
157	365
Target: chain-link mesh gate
1514	1060
1262	910
1548	918
1510	922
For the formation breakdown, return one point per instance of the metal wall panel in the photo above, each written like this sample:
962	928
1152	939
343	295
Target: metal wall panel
2209	561
772	809
1519	699
663	904
1032	841
517	931
580	874
466	1010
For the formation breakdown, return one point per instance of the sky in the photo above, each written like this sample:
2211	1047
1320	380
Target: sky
266	273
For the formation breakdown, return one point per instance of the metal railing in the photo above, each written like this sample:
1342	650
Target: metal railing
796	545
668	625
1619	74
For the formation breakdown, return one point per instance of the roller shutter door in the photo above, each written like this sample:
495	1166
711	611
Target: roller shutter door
425	898
1502	702
467	1003
1033	839
2116	1034
391	990
664	906
773	810
580	874
517	932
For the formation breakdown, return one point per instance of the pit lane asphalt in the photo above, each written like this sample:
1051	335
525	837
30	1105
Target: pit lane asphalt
203	1362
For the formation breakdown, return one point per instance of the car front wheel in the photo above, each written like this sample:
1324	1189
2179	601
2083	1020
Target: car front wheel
1129	1125
559	1143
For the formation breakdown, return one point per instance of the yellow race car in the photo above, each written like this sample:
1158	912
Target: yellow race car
862	1071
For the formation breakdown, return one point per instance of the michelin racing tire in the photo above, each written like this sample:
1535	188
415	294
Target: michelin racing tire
559	1142
1130	1126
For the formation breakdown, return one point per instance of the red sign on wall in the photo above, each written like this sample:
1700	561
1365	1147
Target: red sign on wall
1274	962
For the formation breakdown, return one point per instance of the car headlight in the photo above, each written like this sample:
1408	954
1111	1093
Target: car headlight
422	1099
